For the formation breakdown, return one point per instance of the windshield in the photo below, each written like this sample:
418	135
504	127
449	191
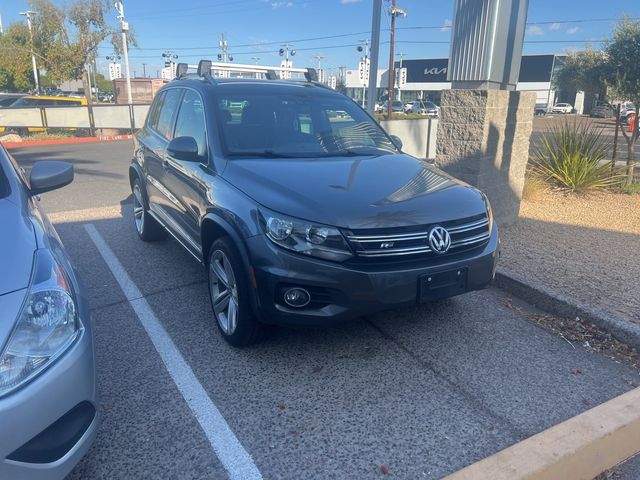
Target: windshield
24	102
297	125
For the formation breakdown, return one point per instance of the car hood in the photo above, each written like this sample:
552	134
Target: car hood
17	248
356	192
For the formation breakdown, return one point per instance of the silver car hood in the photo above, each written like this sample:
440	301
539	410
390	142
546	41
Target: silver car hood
17	247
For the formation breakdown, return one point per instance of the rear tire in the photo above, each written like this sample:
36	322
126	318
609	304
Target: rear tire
230	295
147	227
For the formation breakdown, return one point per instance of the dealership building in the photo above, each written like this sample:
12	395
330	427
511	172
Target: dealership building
426	78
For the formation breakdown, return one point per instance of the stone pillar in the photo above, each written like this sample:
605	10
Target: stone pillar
483	139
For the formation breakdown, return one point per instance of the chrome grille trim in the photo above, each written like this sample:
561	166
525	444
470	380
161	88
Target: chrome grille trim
471	240
392	252
417	242
469	226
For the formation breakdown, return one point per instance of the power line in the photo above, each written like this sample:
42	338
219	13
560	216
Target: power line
419	27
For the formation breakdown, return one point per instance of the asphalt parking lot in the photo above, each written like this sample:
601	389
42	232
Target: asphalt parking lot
425	391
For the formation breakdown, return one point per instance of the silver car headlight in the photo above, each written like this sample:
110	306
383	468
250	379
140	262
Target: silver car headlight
47	325
304	237
489	210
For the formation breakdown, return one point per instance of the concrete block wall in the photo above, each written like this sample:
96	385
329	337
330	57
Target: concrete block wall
418	135
483	139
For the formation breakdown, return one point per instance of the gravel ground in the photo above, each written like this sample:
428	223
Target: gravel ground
587	247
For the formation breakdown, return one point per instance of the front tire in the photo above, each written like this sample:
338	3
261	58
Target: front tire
147	227
229	294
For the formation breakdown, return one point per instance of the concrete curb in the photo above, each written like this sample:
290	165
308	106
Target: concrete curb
554	302
579	448
65	141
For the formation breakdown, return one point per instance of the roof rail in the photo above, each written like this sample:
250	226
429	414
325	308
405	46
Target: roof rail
221	69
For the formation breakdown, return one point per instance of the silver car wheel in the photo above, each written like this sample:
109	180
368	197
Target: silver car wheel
138	208
224	292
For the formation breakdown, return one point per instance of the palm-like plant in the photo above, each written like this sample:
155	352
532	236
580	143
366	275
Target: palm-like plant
570	156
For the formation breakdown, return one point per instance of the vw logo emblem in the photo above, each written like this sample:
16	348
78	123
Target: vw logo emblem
439	240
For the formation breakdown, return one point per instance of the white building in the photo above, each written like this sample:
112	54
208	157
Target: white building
426	78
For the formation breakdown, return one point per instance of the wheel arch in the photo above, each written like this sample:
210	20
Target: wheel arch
213	227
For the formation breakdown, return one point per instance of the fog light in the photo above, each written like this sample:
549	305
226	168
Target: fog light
297	297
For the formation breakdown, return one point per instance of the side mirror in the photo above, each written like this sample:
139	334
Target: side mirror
50	175
396	141
183	148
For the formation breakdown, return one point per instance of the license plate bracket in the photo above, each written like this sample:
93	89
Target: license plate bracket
439	285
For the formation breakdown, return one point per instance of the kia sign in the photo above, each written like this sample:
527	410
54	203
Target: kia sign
533	68
426	71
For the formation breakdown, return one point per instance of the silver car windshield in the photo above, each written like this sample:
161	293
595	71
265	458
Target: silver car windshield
297	125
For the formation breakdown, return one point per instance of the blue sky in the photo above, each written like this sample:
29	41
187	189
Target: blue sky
256	28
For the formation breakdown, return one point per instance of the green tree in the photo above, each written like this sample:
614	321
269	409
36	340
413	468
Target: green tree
68	38
16	72
587	71
623	51
104	85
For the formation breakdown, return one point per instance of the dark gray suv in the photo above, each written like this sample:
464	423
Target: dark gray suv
303	210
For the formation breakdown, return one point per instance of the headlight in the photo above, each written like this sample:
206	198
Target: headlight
300	236
489	211
47	325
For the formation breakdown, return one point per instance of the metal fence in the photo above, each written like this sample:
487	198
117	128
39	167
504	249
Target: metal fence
121	117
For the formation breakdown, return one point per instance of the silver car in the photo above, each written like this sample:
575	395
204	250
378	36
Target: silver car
48	410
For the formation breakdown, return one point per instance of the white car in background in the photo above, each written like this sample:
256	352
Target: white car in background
562	108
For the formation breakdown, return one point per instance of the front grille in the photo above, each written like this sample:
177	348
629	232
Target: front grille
407	242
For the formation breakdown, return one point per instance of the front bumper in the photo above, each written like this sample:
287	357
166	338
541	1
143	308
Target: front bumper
348	291
48	425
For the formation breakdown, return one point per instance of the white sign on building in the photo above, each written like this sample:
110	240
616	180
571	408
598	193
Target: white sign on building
115	71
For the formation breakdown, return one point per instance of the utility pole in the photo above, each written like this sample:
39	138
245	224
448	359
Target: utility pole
1	29
223	45
284	51
375	50
144	70
394	12
169	63
125	48
95	78
29	14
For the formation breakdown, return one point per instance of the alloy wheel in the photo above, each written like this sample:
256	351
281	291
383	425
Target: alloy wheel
224	292
138	208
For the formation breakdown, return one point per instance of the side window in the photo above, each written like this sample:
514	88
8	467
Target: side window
154	113
190	122
168	107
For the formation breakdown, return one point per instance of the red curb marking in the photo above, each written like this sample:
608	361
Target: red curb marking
65	141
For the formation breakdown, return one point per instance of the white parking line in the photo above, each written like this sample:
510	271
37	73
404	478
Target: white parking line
235	459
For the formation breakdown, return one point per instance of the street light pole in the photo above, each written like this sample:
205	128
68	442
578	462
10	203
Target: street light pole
394	12
375	50
28	14
125	49
366	58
